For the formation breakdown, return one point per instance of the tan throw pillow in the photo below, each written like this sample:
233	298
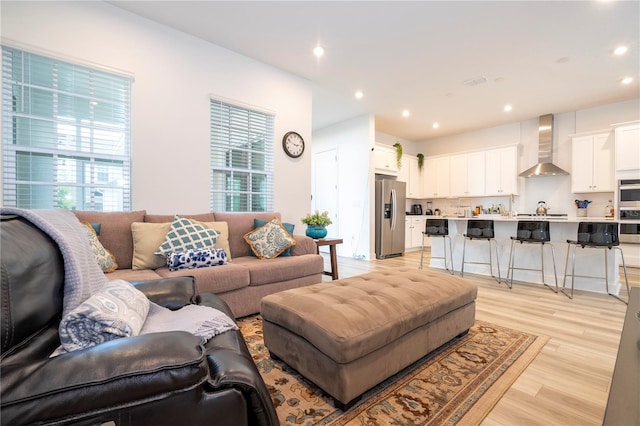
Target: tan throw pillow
269	240
147	237
105	259
223	237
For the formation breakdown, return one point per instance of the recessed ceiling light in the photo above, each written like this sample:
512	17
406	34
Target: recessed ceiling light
436	125
507	108
620	50
318	51
405	113
359	94
627	80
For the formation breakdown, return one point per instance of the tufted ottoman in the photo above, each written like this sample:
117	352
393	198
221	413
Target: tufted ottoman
346	336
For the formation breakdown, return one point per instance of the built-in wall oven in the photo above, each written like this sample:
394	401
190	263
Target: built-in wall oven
629	214
629	199
629	233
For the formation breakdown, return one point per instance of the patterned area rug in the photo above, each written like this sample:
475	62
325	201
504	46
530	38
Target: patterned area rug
459	383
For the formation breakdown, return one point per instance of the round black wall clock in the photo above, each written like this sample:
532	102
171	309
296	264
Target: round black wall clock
293	144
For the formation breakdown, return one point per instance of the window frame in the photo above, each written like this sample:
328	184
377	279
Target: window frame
241	157
90	129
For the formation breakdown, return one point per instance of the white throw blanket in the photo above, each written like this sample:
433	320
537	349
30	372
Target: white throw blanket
84	278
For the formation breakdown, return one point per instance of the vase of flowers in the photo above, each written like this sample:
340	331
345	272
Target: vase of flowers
317	224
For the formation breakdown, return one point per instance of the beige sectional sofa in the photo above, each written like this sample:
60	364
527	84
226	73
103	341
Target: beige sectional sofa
241	283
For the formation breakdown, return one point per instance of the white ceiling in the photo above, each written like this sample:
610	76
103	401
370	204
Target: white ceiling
541	57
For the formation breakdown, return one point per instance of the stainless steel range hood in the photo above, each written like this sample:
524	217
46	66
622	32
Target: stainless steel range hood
545	166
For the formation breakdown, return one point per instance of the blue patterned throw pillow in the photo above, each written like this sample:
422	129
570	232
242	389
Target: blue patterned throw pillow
257	223
269	240
192	259
186	234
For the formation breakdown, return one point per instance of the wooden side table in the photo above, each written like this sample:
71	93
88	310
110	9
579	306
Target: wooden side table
331	242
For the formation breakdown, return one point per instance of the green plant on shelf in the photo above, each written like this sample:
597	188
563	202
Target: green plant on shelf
398	147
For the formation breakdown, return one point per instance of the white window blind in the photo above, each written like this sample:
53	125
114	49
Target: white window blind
66	135
241	159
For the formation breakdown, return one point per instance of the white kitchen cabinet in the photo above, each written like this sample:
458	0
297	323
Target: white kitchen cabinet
592	163
627	147
384	160
436	177
410	174
414	225
467	174
501	171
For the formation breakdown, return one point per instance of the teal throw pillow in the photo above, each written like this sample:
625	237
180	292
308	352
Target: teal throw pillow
185	234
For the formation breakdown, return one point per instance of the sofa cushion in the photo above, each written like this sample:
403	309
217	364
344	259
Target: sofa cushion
147	237
105	259
214	280
269	240
240	224
115	232
186	234
280	269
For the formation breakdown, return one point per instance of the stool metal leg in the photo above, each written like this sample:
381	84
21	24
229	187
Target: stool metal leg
606	273
464	250
444	247
422	251
626	280
509	281
566	265
555	273
495	245
498	278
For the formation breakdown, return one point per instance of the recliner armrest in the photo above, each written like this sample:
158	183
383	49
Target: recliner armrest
112	374
172	293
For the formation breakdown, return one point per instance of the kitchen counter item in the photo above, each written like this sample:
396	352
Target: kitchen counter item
542	208
582	204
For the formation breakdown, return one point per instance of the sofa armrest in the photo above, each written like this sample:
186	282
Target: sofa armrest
172	293
304	245
103	377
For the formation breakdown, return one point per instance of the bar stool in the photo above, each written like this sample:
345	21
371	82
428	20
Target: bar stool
598	235
480	230
438	228
533	232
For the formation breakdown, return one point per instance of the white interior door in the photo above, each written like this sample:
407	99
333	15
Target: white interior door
325	187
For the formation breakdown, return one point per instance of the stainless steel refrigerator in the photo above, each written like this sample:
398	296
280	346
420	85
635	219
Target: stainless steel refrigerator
390	205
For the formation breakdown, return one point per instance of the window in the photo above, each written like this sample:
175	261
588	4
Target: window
66	135
241	159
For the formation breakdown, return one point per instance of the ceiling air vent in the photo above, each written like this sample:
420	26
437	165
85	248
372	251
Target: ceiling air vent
475	81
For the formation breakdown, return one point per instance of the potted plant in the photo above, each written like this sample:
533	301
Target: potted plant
398	147
420	161
317	224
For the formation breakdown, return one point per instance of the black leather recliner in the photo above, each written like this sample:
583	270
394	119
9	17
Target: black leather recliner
160	378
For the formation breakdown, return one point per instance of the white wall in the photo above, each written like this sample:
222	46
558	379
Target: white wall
353	140
175	74
555	190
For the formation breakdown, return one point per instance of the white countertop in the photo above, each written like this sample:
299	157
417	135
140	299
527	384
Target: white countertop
570	219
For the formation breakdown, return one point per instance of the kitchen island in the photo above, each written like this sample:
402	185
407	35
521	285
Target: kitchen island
588	261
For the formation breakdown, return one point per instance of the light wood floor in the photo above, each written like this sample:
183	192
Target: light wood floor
568	382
